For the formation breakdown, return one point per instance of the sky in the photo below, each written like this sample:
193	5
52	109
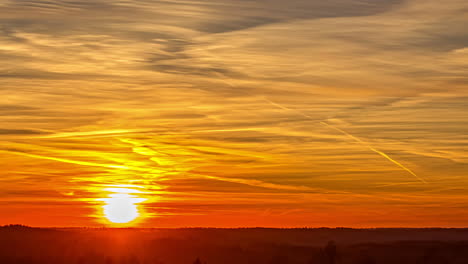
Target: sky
234	113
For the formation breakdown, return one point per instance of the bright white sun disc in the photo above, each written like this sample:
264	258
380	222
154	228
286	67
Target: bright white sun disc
121	208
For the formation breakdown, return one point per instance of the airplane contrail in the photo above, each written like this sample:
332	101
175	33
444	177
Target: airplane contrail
381	153
94	133
344	133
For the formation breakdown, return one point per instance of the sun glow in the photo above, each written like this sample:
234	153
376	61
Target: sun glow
122	206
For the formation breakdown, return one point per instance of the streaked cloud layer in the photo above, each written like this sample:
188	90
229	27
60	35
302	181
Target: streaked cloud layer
235	112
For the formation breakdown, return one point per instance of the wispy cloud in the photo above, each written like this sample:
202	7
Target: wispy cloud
171	94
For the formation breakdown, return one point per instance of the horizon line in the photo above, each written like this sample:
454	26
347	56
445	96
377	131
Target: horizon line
226	228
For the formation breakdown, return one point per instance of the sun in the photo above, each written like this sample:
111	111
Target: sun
122	206
120	209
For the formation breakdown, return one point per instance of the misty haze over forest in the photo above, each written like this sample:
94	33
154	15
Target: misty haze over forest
24	245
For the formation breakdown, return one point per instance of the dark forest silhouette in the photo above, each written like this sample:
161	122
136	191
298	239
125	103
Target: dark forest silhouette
25	245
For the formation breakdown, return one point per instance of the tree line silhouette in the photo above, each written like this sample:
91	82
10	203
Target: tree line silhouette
25	245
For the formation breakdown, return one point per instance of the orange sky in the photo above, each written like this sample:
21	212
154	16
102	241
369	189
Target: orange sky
234	113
